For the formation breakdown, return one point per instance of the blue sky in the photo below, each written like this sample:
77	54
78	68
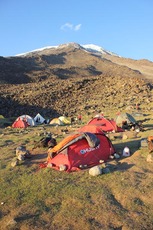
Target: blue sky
124	27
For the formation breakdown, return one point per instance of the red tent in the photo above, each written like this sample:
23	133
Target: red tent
91	128
105	124
82	150
19	123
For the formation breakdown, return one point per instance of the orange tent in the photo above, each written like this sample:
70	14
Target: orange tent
19	123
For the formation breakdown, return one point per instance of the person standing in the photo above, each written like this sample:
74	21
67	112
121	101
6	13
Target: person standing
79	118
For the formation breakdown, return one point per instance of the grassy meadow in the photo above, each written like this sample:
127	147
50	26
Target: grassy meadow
34	198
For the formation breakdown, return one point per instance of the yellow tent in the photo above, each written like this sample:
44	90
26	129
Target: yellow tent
60	121
1	116
56	121
64	120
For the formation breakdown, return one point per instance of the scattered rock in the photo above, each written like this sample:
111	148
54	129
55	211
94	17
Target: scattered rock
14	162
149	158
22	153
62	167
11	223
124	137
106	170
144	143
117	156
81	82
95	171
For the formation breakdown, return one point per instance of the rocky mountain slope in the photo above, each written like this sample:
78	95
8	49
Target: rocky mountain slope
143	65
71	79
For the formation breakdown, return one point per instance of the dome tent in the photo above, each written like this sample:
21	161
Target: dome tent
19	123
122	117
39	119
106	125
56	121
60	121
25	118
79	150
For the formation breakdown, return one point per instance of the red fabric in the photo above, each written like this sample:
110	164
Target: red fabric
119	129
105	124
79	153
42	165
91	128
20	124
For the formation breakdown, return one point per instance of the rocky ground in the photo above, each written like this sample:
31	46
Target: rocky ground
70	80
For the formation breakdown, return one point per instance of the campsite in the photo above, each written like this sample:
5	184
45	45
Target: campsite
33	197
58	172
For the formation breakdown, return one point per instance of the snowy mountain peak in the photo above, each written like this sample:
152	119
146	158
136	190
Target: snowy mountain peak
70	44
88	48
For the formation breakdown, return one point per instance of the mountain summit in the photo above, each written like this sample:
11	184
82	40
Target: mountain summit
91	48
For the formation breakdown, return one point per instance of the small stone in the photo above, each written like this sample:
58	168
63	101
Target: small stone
11	222
49	165
21	157
144	142
117	156
106	170
14	162
62	167
149	158
95	171
124	137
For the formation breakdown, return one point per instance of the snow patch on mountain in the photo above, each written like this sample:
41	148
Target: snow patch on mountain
97	49
36	50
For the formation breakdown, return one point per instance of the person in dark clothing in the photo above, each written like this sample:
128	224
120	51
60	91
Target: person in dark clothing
125	125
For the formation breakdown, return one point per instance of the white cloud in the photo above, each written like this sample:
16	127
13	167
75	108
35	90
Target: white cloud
77	27
70	26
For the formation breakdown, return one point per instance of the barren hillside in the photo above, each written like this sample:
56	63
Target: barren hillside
70	79
144	66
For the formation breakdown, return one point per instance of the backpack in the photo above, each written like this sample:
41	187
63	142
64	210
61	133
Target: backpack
43	142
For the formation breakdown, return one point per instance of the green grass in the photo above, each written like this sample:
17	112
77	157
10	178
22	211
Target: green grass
48	199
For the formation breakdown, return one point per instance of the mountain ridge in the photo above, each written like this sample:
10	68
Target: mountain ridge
88	47
69	60
71	79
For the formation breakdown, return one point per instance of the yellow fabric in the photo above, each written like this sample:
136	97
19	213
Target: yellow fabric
64	120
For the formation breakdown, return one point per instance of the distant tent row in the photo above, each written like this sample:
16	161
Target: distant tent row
106	125
25	120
